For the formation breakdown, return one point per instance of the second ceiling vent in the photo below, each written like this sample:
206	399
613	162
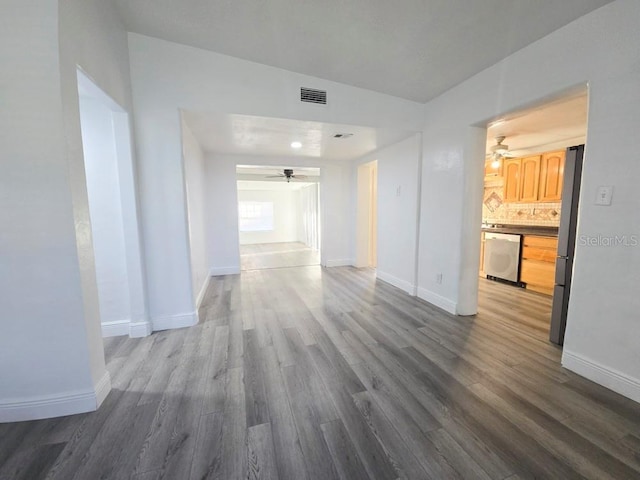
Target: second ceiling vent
311	95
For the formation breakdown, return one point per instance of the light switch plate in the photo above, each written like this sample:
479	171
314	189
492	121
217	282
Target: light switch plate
604	195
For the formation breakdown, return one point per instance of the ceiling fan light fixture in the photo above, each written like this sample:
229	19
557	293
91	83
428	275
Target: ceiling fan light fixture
496	162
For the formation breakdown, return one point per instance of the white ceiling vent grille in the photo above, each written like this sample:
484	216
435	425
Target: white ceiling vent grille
311	95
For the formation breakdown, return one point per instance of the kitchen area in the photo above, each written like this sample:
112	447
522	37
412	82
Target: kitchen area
522	198
529	207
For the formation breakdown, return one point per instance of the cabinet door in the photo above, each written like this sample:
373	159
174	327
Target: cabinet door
551	176
530	178
490	170
511	180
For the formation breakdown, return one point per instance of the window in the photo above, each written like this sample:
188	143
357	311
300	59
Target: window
255	216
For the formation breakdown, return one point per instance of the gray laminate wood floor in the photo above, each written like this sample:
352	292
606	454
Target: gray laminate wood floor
310	373
277	255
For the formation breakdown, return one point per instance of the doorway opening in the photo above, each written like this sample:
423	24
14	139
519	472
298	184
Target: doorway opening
367	216
529	209
278	216
109	173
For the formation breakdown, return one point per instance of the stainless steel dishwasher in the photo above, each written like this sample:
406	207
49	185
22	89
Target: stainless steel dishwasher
502	256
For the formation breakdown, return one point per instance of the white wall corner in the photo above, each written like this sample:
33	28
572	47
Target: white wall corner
341	262
140	329
605	376
408	287
102	388
203	291
59	405
438	300
115	328
219	271
168	322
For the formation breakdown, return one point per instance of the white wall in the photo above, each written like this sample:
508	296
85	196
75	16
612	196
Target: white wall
600	49
167	76
193	160
105	209
285	220
51	356
308	215
398	190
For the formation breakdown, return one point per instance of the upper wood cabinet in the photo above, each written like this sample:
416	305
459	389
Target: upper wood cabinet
490	170
529	178
551	176
534	179
511	171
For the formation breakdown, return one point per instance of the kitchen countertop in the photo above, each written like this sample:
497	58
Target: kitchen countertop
522	230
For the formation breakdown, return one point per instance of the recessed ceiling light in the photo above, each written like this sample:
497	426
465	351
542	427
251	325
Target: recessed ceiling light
296	145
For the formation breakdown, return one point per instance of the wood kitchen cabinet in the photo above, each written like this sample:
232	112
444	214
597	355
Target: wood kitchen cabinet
490	170
529	178
511	172
538	263
551	176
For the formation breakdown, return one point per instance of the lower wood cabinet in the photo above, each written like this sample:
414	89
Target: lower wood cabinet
538	263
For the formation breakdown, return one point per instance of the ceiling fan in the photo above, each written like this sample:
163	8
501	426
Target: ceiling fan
288	174
499	151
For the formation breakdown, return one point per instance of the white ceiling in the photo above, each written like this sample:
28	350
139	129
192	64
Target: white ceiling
247	134
559	124
415	49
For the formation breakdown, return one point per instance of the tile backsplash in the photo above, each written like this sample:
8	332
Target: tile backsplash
495	211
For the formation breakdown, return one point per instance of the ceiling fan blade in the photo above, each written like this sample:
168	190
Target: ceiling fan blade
298	176
274	176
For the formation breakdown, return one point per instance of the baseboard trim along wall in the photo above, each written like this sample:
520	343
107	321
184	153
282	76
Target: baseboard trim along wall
139	329
343	262
437	300
60	405
115	328
605	376
125	327
203	290
396	282
218	271
167	322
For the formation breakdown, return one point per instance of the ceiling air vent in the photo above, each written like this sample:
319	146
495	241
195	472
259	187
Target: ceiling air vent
311	95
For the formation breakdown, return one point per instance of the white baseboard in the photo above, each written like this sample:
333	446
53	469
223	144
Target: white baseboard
102	388
115	328
396	282
139	329
344	262
203	290
60	405
437	300
167	322
605	376
125	327
218	271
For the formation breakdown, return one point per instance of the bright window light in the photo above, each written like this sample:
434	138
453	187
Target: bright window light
255	216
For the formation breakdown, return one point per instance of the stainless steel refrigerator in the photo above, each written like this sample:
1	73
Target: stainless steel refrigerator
566	242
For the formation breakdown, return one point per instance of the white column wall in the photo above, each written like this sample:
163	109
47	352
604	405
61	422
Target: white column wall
398	191
51	355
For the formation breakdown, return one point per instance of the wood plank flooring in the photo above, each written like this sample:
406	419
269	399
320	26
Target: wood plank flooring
311	373
277	255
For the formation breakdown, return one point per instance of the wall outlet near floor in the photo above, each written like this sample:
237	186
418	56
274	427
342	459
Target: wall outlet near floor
439	278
